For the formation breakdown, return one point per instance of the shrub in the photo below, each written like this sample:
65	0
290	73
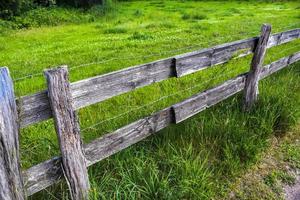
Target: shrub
9	8
80	3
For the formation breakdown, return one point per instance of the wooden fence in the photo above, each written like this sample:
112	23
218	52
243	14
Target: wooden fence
62	99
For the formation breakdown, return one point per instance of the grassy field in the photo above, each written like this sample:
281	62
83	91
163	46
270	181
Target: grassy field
197	159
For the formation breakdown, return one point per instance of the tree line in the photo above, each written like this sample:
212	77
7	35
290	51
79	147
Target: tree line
10	8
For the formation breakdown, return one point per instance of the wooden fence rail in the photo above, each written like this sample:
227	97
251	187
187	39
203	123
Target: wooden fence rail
36	108
62	99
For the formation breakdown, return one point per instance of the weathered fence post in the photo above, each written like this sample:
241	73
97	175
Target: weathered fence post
68	132
251	86
11	182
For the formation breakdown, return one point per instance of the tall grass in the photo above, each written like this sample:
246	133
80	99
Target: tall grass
193	160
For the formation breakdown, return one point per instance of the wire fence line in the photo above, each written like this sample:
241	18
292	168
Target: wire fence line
271	58
218	39
158	100
93	126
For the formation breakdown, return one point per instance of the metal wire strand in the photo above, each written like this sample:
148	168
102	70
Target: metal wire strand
158	100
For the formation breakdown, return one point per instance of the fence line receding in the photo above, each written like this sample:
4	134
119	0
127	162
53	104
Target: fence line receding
62	99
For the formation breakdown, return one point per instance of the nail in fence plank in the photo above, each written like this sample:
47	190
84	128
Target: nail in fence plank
35	108
11	183
67	128
251	85
49	172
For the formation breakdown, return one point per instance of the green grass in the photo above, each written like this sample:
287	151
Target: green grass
277	169
196	159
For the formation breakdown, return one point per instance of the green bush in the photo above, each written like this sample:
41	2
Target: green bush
9	8
79	3
51	17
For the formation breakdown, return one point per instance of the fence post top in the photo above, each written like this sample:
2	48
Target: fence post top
4	69
266	26
59	68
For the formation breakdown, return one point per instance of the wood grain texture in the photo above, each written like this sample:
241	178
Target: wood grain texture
283	37
251	85
11	182
68	132
43	175
96	89
112	143
279	64
49	172
206	99
199	60
35	108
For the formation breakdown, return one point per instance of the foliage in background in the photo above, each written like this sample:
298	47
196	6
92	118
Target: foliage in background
9	8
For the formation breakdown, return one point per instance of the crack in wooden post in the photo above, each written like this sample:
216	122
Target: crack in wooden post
67	127
11	181
251	86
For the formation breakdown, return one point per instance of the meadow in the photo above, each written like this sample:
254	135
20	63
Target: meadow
197	159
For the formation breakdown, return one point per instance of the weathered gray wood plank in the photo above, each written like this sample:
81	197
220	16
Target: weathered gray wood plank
11	182
199	60
195	61
42	175
49	172
251	85
279	64
283	37
206	99
68	132
112	143
35	108
96	89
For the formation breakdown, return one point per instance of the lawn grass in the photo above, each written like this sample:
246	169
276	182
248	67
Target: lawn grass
196	159
269	177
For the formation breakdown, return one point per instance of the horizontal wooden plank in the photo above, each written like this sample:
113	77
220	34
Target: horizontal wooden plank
199	60
283	37
42	175
195	61
206	99
49	172
35	108
96	89
127	136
